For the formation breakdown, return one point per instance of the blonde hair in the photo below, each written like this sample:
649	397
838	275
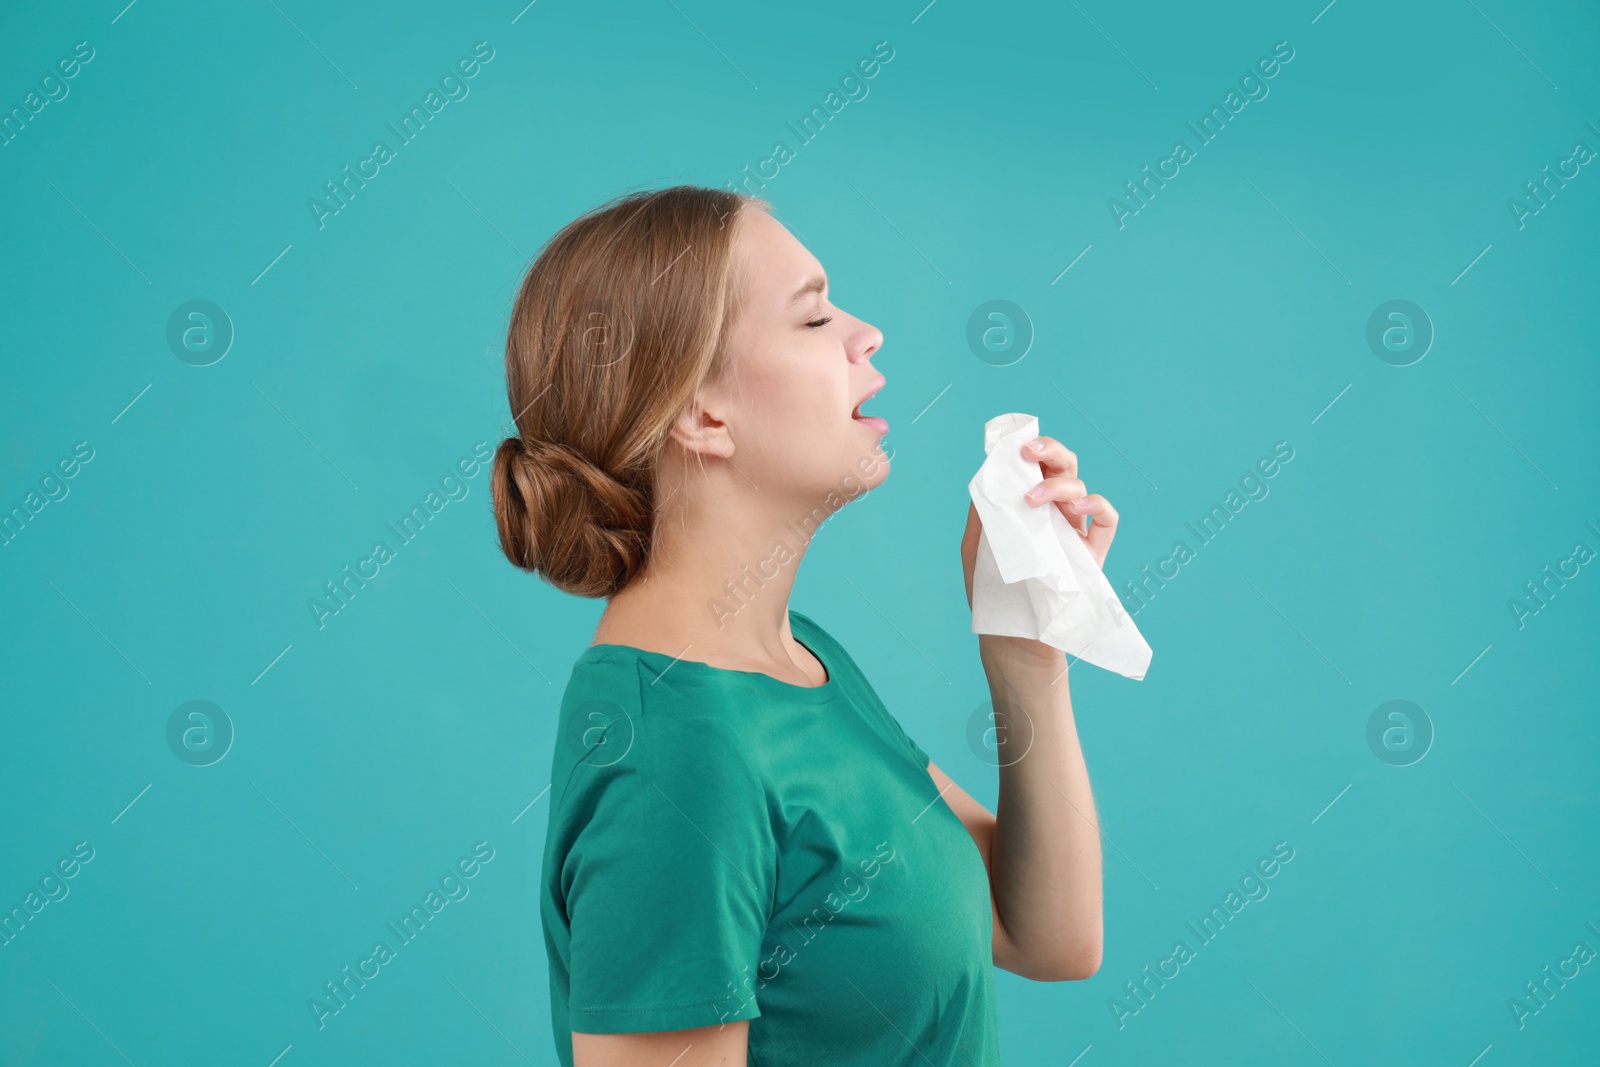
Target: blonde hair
621	318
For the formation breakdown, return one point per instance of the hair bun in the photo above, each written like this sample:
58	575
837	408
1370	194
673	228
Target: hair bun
556	457
566	518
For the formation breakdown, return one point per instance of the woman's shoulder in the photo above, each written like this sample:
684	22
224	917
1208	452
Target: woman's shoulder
629	712
809	631
812	633
643	682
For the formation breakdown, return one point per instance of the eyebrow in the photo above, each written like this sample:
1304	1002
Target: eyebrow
815	285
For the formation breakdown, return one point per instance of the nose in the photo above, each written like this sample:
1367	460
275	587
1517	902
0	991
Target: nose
867	342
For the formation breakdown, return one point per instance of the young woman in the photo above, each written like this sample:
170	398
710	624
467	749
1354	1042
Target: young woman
748	860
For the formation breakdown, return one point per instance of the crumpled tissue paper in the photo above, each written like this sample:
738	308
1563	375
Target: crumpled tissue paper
1033	576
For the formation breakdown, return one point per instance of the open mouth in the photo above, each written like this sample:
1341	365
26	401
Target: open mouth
871	421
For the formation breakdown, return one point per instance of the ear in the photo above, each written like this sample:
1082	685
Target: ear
700	429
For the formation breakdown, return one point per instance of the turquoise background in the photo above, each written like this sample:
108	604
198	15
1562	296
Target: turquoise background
1228	315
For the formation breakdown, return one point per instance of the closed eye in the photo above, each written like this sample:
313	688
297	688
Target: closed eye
819	323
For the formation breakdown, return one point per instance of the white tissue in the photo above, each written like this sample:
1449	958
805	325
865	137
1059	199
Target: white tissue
1033	576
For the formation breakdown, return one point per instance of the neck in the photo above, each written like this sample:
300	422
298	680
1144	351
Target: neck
721	568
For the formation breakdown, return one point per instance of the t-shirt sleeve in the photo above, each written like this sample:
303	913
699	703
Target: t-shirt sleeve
922	758
668	884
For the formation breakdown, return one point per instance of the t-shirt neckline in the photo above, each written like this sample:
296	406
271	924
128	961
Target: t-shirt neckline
814	693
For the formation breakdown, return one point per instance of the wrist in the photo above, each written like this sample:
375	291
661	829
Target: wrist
1020	655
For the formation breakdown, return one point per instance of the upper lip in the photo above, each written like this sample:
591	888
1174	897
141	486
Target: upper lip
882	381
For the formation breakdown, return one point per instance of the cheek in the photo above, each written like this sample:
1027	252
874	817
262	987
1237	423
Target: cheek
803	415
779	410
795	405
803	396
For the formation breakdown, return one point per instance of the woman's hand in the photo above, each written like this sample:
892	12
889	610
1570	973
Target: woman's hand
1061	488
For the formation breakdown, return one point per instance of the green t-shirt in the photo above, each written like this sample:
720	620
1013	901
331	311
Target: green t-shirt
723	845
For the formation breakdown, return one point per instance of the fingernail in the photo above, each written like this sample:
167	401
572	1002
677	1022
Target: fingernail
1036	445
1081	503
1037	492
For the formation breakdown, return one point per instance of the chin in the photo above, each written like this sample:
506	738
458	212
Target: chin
868	471
858	470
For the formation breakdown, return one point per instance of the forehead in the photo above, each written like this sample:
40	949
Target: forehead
775	263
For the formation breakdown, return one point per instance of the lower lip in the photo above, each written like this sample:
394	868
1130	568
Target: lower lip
874	422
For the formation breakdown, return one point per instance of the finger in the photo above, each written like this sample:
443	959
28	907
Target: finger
1059	490
1058	487
1056	457
1105	521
